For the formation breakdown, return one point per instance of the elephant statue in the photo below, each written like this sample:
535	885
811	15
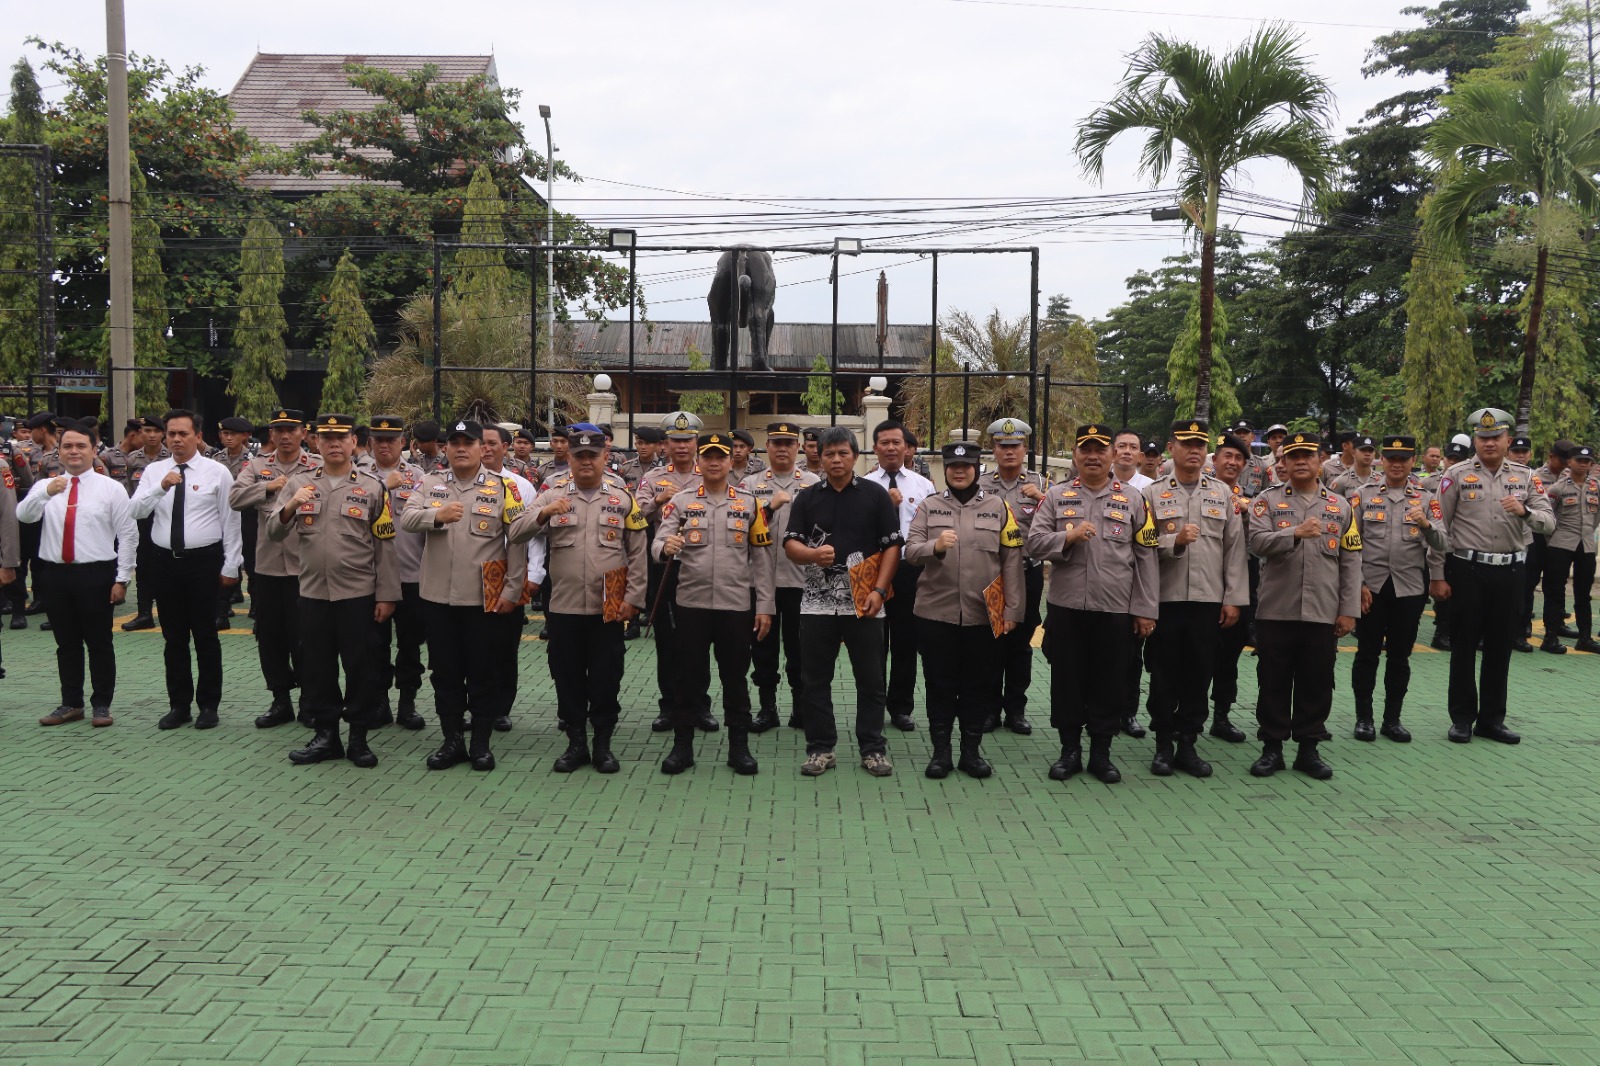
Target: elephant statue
747	271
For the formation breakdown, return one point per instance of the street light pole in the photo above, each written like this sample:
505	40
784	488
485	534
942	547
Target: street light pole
550	255
119	254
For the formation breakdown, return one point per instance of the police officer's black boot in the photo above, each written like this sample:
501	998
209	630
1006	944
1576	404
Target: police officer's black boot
604	761
943	760
972	763
1018	723
281	711
1071	761
1364	729
1588	644
767	717
1161	764
1310	763
1391	727
304	717
1223	729
739	757
1271	760
407	717
325	745
681	757
1100	764
385	715
482	730
1188	759
992	722
357	750
453	751
577	753
662	722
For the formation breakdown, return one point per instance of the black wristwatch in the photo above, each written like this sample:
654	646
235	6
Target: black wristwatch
883	593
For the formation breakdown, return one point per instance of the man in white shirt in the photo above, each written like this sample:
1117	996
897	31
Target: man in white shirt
1127	450
87	545
907	489
195	541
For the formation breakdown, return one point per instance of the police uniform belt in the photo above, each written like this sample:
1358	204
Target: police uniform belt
1492	558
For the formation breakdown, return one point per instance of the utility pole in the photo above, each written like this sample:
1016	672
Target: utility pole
119	382
550	255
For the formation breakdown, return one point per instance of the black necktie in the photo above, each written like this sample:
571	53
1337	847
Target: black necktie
177	508
892	475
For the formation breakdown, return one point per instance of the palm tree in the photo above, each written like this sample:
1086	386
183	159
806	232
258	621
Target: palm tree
1529	138
1260	101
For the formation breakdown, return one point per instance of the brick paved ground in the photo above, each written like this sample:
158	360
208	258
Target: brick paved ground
186	897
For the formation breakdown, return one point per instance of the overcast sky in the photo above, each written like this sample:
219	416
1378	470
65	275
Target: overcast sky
748	102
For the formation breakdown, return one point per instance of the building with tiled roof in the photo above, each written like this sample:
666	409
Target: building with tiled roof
276	88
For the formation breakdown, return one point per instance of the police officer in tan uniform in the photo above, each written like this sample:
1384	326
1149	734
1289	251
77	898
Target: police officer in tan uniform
1022	490
275	588
1310	596
1100	538
1363	473
469	518
775	488
591	530
339	518
720	538
405	632
655	490
234	433
965	539
1489	504
1204	582
1575	498
1402	544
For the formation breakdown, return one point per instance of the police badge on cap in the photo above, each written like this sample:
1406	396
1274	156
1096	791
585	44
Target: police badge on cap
961	453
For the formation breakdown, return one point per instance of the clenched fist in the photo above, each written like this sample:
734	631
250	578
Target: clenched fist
550	510
450	512
946	540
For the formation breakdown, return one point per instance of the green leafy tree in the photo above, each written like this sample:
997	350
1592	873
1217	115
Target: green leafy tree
1260	101
482	271
20	220
1182	375
701	403
352	342
1438	368
1528	138
259	337
815	399
150	318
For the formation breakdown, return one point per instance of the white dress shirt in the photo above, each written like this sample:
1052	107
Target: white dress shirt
538	551
207	518
914	488
1137	481
103	530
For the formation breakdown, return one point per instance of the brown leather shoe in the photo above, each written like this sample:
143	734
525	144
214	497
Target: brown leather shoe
101	717
62	715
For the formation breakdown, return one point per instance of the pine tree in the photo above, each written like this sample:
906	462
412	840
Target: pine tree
19	222
258	339
150	317
352	342
1184	363
1438	368
481	276
1560	407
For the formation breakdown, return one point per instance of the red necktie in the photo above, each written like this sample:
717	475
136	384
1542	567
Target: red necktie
71	523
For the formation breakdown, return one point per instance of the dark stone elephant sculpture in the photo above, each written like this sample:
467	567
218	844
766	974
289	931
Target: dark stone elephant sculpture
753	309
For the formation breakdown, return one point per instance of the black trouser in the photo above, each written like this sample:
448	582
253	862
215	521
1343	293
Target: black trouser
1557	563
1484	600
402	637
1533	573
146	566
1016	647
77	600
1181	651
1389	629
820	637
28	551
1088	653
1130	676
467	674
186	596
340	632
1294	672
962	667
727	634
663	589
764	656
1225	667
247	531
278	639
900	641
507	630
585	658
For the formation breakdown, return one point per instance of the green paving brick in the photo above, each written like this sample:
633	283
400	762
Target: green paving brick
188	897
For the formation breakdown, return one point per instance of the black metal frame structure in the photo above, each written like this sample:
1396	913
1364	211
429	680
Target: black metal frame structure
44	235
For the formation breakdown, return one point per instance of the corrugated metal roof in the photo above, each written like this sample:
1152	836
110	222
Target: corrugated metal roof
275	88
794	345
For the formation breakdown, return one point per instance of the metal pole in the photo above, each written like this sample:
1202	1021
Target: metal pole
119	253
733	342
833	359
1043	425
633	383
1033	359
550	257
533	339
966	398
933	358
47	264
438	328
